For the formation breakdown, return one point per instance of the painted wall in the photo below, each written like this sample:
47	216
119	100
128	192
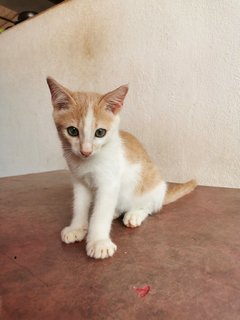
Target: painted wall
181	59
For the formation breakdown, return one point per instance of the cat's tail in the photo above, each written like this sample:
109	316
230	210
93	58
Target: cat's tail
176	191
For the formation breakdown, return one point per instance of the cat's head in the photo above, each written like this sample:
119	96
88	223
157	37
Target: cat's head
85	121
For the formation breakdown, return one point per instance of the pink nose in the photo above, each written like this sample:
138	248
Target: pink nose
86	153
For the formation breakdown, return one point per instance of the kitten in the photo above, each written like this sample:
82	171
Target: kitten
109	168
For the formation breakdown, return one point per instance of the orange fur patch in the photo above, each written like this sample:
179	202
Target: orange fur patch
178	190
103	116
77	111
135	153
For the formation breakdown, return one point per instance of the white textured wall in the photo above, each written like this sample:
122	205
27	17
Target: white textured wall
181	58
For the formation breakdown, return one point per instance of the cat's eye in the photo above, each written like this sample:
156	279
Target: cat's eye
100	132
72	131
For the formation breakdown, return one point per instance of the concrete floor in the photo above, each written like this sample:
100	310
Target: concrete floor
189	255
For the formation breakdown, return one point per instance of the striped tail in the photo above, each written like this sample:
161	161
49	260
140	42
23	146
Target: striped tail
177	191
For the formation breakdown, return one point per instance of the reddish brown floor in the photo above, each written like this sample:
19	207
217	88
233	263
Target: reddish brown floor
189	255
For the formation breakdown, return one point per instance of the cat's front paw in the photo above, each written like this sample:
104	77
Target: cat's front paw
70	235
101	249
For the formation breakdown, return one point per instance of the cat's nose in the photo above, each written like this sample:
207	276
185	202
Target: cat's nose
86	154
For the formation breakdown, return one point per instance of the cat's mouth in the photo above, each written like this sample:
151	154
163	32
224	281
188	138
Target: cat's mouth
85	155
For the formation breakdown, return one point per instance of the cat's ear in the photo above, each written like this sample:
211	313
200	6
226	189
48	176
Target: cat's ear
61	97
114	99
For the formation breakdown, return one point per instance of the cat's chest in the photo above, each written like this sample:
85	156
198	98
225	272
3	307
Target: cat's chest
95	175
89	181
85	175
99	171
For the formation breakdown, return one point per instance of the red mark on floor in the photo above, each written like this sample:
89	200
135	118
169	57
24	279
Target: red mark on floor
142	292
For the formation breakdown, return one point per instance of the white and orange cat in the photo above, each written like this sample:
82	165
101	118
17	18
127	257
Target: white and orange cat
109	168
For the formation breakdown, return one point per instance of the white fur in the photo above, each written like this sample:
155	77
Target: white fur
101	173
88	130
111	179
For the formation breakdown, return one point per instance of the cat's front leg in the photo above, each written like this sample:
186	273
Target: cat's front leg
99	244
77	230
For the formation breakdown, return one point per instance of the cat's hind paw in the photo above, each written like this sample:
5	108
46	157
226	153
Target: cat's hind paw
70	235
101	249
133	219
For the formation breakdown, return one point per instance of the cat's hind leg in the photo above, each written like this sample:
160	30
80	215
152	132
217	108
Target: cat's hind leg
144	205
134	218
